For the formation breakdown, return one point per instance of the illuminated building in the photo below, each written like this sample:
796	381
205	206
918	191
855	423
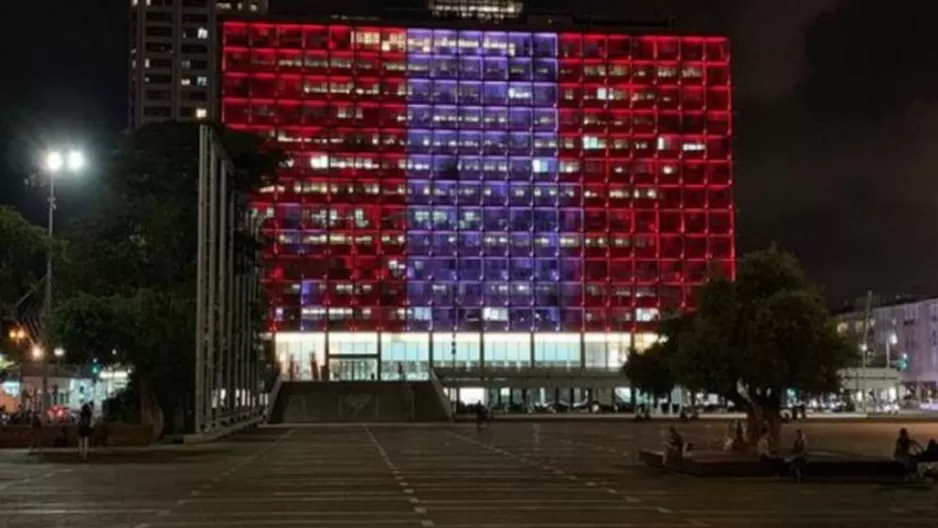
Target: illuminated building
465	197
173	57
482	9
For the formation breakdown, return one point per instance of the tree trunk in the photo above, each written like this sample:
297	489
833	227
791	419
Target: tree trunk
150	412
759	418
754	424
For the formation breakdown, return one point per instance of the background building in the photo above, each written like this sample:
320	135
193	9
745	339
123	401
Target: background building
481	9
173	57
902	335
472	197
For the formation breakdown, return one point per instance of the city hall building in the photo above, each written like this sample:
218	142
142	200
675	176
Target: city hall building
486	197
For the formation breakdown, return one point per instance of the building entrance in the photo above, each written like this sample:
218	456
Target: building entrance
354	369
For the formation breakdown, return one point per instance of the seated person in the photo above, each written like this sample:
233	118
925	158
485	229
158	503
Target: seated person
674	448
766	456
903	452
930	454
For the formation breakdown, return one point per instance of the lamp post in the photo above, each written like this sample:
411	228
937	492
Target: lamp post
55	163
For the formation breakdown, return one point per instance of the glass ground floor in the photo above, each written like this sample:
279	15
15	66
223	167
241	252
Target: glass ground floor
365	356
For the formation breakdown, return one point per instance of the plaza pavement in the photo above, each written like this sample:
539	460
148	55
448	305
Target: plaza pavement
513	475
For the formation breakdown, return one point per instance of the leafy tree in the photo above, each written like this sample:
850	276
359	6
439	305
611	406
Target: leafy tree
91	327
650	371
23	249
132	269
753	339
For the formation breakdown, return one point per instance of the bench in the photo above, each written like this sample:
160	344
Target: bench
821	464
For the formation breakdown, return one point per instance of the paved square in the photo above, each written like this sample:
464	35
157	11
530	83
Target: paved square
513	475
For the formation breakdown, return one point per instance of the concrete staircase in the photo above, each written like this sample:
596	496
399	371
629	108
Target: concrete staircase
357	402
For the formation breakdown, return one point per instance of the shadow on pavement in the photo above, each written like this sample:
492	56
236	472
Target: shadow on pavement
120	457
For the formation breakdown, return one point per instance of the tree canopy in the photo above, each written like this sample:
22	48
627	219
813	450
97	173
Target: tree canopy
23	249
752	339
130	281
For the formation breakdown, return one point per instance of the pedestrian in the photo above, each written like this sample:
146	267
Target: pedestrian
84	430
799	455
36	438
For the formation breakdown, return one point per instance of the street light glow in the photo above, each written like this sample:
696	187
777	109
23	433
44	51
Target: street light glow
76	160
59	352
37	352
54	161
72	161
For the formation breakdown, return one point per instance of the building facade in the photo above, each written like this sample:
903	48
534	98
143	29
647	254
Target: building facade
480	9
902	336
470	197
174	57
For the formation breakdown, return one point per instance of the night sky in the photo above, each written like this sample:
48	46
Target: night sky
836	125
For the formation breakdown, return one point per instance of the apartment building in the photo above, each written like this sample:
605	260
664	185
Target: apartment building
173	57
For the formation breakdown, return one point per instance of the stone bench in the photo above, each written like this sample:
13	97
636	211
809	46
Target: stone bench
821	464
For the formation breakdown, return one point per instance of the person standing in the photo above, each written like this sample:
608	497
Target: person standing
35	423
84	430
799	455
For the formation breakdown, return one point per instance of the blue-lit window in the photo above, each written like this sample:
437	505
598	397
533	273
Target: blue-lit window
418	66
445	92
495	94
470	68
520	119
494	44
419	41
520	44
445	116
470	269
469	93
520	69
545	45
445	42
545	70
470	42
469	193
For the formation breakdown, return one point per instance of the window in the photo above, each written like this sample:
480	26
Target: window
594	142
320	161
201	113
202	33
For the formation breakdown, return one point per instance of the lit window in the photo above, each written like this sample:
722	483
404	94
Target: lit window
694	146
594	142
319	162
645	315
201	80
202	33
201	113
185	81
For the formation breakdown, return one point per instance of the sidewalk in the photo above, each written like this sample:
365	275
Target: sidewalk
812	417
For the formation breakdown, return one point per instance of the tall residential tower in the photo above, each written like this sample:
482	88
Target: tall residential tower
173	57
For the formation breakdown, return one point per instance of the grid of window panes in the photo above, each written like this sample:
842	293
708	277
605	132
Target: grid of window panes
490	180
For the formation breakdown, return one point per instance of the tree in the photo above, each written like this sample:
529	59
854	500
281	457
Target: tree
23	249
650	371
131	276
753	339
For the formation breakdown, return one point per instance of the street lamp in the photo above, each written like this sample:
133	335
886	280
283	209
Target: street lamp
59	352
56	162
37	352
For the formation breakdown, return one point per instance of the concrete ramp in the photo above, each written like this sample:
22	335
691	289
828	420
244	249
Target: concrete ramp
357	402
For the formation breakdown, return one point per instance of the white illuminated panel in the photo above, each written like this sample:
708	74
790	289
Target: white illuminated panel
491	9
